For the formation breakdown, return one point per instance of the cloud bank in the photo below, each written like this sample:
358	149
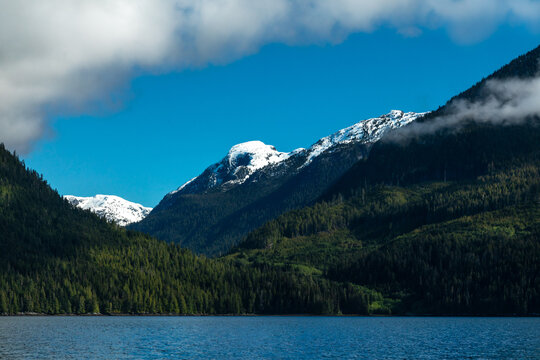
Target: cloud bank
503	102
509	101
64	56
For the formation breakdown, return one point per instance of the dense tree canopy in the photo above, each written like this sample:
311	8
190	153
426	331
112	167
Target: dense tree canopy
58	259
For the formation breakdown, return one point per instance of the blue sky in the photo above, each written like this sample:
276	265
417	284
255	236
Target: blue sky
167	128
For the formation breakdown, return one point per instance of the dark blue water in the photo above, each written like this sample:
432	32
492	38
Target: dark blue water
269	337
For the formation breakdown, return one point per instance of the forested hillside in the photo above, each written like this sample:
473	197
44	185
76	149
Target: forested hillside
450	153
446	222
439	248
55	258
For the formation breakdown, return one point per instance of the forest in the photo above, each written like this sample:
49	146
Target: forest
433	248
57	259
447	223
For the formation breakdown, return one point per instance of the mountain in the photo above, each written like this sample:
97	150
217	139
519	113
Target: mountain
251	159
445	221
254	183
110	207
56	259
456	151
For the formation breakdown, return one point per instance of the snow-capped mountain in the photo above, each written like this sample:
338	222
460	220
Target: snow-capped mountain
255	182
245	159
111	207
235	168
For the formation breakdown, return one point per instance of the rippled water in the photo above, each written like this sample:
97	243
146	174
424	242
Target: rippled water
269	337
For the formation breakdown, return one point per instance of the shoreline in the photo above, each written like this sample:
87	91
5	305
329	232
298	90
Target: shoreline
31	314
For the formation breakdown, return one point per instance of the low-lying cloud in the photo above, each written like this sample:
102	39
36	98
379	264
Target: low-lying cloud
509	101
501	102
63	56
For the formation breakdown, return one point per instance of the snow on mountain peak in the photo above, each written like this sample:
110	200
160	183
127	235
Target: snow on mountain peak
241	162
254	155
244	159
111	207
365	131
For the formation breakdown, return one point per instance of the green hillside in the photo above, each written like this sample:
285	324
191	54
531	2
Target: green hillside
58	259
439	248
442	223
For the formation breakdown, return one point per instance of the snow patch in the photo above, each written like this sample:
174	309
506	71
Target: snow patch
183	186
111	207
245	158
366	131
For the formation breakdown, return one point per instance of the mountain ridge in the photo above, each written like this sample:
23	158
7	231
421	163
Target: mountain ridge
212	212
244	159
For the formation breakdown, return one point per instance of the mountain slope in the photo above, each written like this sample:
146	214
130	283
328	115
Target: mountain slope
110	207
449	153
255	183
446	222
469	246
55	258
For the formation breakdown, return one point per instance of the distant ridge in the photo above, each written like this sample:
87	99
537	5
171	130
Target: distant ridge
111	207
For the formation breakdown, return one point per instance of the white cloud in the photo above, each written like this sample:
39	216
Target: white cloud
67	54
510	100
502	102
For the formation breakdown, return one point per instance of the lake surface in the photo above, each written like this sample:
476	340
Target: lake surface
269	337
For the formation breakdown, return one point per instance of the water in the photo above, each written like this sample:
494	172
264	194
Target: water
269	337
